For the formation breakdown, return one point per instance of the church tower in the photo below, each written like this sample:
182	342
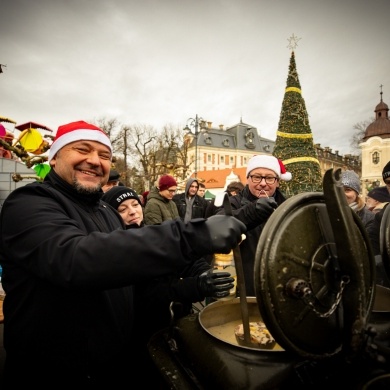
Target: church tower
375	147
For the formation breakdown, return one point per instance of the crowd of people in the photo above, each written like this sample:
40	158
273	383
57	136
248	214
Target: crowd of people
254	202
370	211
91	269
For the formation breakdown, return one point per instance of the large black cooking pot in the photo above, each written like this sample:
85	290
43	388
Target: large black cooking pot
315	291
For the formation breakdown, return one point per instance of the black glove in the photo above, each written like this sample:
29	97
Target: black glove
215	284
225	232
265	207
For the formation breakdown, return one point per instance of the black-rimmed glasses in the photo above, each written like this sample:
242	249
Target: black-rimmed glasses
268	179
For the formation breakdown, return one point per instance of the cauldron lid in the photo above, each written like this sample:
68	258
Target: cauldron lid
314	274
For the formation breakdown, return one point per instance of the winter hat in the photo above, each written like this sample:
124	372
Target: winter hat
269	162
114	175
380	194
386	171
165	182
77	131
116	195
350	179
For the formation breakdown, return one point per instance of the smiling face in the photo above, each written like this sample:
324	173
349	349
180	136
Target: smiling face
83	164
131	212
350	194
263	182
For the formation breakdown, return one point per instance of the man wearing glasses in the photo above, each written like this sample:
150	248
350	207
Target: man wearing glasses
254	204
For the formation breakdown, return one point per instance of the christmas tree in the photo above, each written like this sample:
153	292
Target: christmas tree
294	141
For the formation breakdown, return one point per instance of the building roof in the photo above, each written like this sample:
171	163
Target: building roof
241	136
217	179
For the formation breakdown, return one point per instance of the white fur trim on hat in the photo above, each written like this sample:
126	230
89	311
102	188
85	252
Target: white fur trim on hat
269	162
70	133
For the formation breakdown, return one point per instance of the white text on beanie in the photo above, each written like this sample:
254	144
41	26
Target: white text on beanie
269	162
77	131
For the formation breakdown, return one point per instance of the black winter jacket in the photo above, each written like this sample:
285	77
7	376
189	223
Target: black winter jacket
243	207
199	204
68	266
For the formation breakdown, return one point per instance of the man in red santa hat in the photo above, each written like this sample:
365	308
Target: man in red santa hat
254	205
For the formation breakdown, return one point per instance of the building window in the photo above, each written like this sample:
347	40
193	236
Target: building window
222	159
225	142
208	140
375	158
249	139
209	157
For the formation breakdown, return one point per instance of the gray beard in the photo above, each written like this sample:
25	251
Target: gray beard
86	190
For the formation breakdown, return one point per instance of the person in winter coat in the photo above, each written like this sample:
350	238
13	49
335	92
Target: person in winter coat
160	206
234	188
189	204
182	289
253	206
351	182
377	198
374	231
69	266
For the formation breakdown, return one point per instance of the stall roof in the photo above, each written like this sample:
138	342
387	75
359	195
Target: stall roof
34	125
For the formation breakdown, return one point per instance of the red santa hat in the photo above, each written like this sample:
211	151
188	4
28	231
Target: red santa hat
269	162
77	131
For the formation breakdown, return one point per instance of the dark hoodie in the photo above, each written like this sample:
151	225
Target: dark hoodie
190	208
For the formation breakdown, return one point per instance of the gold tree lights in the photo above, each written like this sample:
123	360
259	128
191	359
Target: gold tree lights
294	140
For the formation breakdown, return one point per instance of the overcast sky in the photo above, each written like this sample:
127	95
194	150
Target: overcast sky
158	62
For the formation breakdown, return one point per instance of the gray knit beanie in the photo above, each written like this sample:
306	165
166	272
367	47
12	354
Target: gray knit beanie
351	179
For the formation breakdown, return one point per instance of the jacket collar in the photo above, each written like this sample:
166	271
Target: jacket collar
70	191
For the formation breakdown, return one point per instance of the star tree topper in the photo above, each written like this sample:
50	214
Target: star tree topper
293	42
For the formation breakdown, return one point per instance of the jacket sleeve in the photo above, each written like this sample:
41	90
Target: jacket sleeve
183	288
245	213
63	244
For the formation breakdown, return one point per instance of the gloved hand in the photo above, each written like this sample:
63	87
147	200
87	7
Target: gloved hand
265	207
225	232
215	284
